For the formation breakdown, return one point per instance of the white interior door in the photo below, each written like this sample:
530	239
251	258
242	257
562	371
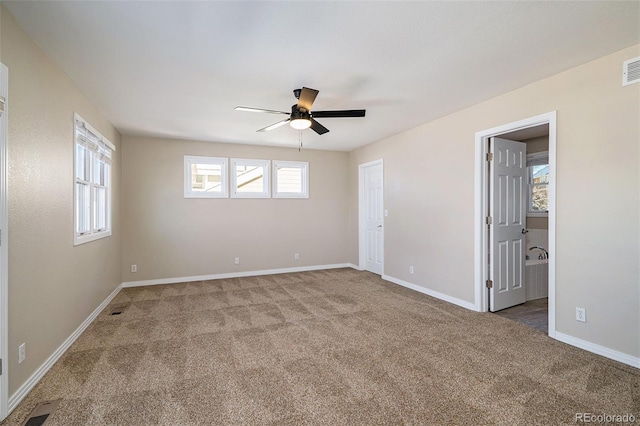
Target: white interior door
507	180
373	223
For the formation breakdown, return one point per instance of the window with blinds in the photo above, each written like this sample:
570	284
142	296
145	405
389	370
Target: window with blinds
92	183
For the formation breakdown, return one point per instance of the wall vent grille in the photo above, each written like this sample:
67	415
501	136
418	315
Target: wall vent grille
631	71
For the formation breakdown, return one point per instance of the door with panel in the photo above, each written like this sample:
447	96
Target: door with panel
507	212
373	218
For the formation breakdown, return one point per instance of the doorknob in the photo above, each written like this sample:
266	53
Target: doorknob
379	226
524	231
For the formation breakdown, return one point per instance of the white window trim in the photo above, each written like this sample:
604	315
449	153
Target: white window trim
305	179
91	235
189	160
265	164
533	159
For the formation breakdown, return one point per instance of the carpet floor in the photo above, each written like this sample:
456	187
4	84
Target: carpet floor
325	347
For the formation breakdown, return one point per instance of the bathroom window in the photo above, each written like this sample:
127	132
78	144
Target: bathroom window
538	169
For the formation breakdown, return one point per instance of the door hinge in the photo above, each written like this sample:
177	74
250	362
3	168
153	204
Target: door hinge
489	284
489	220
489	156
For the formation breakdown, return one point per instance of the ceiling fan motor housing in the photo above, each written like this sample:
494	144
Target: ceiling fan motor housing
299	113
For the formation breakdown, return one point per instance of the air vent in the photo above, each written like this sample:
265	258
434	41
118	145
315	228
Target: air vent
631	71
118	309
41	413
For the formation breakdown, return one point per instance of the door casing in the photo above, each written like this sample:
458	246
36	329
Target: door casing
4	263
362	234
481	269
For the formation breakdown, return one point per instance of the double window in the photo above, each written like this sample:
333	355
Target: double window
206	177
538	169
92	188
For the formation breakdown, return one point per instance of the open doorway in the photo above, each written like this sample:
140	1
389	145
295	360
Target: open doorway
534	311
501	267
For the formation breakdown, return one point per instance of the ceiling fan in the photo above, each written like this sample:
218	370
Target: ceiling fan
301	117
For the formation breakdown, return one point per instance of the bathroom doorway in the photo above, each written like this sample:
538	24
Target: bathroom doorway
531	277
534	312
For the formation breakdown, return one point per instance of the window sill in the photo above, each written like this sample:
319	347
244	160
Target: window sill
82	239
284	195
250	195
204	195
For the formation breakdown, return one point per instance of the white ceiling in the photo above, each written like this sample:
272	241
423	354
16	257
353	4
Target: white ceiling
177	69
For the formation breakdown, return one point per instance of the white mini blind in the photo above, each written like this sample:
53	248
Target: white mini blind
538	158
93	141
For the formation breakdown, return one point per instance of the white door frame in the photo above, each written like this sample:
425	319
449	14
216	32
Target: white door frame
362	234
481	270
4	240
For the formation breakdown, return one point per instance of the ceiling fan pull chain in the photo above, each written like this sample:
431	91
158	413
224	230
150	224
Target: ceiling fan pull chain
300	140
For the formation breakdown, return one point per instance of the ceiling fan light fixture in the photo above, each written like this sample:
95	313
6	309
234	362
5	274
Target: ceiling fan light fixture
300	123
301	117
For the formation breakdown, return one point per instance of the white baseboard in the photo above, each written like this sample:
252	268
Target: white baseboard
463	303
235	275
599	350
26	387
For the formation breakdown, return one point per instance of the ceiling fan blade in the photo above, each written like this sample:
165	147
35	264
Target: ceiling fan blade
270	111
339	113
307	96
274	126
318	128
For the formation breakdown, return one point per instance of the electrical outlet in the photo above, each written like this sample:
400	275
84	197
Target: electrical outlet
237	260
411	269
581	314
296	256
134	268
22	353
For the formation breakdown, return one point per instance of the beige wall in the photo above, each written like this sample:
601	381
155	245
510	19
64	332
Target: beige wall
168	236
537	144
537	222
429	191
53	286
